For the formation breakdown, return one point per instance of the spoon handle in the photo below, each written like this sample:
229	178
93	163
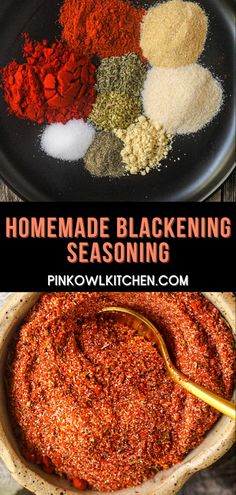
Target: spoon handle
145	328
222	405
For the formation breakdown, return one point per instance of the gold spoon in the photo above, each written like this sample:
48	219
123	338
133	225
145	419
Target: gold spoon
145	328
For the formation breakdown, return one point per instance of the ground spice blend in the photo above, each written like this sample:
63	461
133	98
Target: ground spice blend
92	401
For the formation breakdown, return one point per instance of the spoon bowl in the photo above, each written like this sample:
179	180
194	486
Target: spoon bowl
146	329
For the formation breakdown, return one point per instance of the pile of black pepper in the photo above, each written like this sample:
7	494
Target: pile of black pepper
103	159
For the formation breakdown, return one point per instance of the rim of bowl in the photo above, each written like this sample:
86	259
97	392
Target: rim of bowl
167	482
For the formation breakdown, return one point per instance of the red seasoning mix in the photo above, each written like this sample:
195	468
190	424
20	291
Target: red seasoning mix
92	401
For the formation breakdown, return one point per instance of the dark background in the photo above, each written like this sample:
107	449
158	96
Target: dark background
226	193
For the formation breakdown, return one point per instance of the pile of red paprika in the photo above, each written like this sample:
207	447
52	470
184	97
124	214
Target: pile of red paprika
57	82
54	85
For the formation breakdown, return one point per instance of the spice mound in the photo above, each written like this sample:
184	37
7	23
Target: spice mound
182	100
174	33
115	110
105	27
103	159
91	400
121	74
54	85
68	142
144	146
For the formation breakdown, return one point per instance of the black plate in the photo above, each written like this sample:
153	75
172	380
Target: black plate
206	159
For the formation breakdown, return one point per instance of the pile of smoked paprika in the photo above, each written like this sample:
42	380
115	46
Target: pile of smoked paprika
55	84
106	27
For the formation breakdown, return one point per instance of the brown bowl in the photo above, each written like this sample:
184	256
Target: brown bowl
217	442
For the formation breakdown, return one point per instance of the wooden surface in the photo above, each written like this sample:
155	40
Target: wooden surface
226	193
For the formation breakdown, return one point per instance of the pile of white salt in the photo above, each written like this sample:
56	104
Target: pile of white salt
68	142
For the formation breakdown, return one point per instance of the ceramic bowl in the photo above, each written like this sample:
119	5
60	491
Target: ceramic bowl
168	482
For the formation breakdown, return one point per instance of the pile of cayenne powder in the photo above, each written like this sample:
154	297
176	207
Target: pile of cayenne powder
92	401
